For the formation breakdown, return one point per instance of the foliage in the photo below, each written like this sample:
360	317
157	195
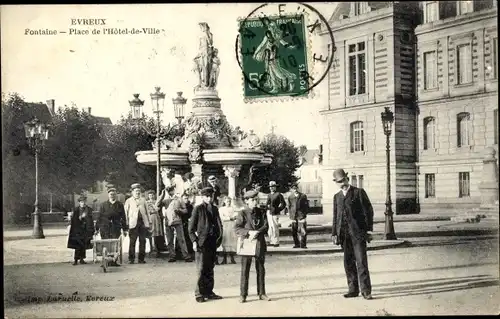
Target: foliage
285	163
73	152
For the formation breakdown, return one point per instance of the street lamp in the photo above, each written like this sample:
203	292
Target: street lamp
36	133
136	107
158	102
387	120
179	103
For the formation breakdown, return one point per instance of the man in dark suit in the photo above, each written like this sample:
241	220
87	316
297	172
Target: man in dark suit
252	223
111	219
298	207
352	222
205	231
212	183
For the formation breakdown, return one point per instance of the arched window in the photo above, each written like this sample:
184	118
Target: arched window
464	127
357	137
429	133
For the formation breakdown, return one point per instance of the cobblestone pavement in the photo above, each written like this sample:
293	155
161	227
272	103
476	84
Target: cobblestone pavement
458	278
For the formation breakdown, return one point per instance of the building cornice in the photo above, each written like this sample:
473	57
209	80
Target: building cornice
455	21
457	98
368	18
359	107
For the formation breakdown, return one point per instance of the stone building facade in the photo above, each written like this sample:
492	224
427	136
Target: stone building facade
382	49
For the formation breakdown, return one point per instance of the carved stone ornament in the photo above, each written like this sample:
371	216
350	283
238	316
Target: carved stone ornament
166	144
194	152
232	171
252	141
167	176
206	103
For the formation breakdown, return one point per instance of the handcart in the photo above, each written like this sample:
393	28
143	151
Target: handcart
110	250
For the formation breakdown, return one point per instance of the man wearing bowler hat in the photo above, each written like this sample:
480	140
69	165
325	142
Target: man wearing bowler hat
352	222
138	223
275	204
212	182
205	231
111	219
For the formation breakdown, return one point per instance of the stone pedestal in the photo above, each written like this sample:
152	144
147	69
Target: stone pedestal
489	180
232	172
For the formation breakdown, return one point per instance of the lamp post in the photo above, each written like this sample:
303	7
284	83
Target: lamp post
36	133
179	103
158	102
387	120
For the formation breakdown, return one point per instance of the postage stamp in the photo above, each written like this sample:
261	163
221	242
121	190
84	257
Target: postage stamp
274	51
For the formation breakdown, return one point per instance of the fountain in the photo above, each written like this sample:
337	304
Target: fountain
210	145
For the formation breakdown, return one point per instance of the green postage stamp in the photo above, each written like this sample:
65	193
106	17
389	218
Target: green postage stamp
273	57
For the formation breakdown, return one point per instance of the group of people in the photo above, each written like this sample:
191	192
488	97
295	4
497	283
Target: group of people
203	228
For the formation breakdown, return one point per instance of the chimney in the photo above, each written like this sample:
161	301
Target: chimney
89	108
52	106
320	155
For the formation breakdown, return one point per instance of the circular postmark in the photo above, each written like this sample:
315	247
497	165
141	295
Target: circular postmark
276	53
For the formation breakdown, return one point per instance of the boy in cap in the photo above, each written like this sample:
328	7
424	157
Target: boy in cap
275	204
205	231
156	226
252	223
138	223
352	222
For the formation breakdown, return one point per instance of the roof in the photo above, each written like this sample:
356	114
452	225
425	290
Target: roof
39	110
309	156
103	120
344	8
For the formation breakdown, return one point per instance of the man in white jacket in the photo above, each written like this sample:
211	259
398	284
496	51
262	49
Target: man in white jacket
138	223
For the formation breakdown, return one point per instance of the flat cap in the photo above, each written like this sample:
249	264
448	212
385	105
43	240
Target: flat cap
112	189
151	192
207	191
135	185
82	198
250	194
212	178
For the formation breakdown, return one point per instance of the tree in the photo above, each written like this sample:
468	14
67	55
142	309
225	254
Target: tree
71	160
285	163
17	163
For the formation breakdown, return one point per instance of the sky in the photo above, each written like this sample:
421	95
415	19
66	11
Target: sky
103	71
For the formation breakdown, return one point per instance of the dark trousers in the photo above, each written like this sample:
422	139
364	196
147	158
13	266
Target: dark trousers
299	229
80	253
138	232
246	262
205	263
356	264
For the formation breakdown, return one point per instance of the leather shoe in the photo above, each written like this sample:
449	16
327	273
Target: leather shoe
142	261
351	294
213	297
296	246
131	261
200	299
367	295
243	299
264	297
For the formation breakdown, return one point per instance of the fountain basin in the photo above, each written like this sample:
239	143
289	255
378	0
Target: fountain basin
167	157
233	156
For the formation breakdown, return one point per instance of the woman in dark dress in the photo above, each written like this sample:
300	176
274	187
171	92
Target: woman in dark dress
81	230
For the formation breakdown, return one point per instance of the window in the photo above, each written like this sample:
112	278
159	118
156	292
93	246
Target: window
463	129
430	185
495	126
463	184
315	174
315	202
464	64
357	8
357	69
357	137
464	7
494	57
429	133
431	12
357	181
430	70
